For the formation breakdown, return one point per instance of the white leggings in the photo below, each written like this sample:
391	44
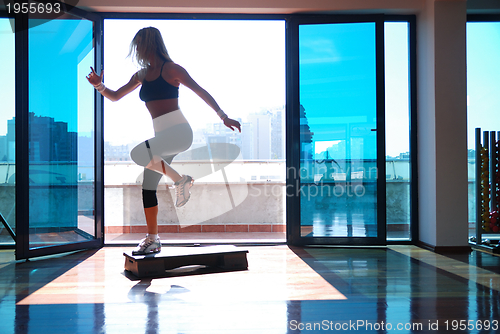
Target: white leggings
173	135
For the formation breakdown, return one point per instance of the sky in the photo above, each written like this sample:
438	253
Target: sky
240	63
483	78
396	88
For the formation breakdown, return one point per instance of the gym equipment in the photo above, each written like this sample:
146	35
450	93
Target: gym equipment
225	258
487	191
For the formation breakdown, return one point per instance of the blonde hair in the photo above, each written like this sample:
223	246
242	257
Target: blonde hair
151	44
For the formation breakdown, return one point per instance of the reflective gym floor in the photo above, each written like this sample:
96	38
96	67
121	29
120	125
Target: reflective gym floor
402	289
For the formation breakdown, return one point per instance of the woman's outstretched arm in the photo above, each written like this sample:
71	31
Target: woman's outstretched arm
184	78
96	81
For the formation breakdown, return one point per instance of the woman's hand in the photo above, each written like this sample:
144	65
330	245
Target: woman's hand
232	124
93	78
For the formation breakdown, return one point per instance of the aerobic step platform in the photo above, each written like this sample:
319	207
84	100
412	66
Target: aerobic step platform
221	257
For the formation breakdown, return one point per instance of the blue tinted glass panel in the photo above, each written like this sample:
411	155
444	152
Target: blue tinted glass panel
61	132
338	170
397	130
7	132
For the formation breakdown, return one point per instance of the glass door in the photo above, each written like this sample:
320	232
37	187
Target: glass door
338	162
60	201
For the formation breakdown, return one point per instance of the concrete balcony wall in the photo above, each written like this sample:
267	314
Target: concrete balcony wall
213	207
259	207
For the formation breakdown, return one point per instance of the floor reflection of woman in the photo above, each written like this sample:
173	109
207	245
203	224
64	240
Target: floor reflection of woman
160	78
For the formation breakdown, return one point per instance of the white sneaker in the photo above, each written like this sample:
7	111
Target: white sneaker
182	192
147	246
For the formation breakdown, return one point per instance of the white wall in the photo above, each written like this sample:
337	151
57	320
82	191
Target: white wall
451	122
442	123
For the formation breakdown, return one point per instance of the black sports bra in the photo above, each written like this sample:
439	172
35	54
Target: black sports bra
158	89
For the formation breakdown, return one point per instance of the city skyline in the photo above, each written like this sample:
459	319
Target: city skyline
261	138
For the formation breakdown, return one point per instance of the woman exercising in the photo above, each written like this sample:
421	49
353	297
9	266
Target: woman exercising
160	78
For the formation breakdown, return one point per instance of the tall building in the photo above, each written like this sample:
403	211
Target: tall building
305	136
277	133
247	134
3	148
11	140
51	140
7	143
261	124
